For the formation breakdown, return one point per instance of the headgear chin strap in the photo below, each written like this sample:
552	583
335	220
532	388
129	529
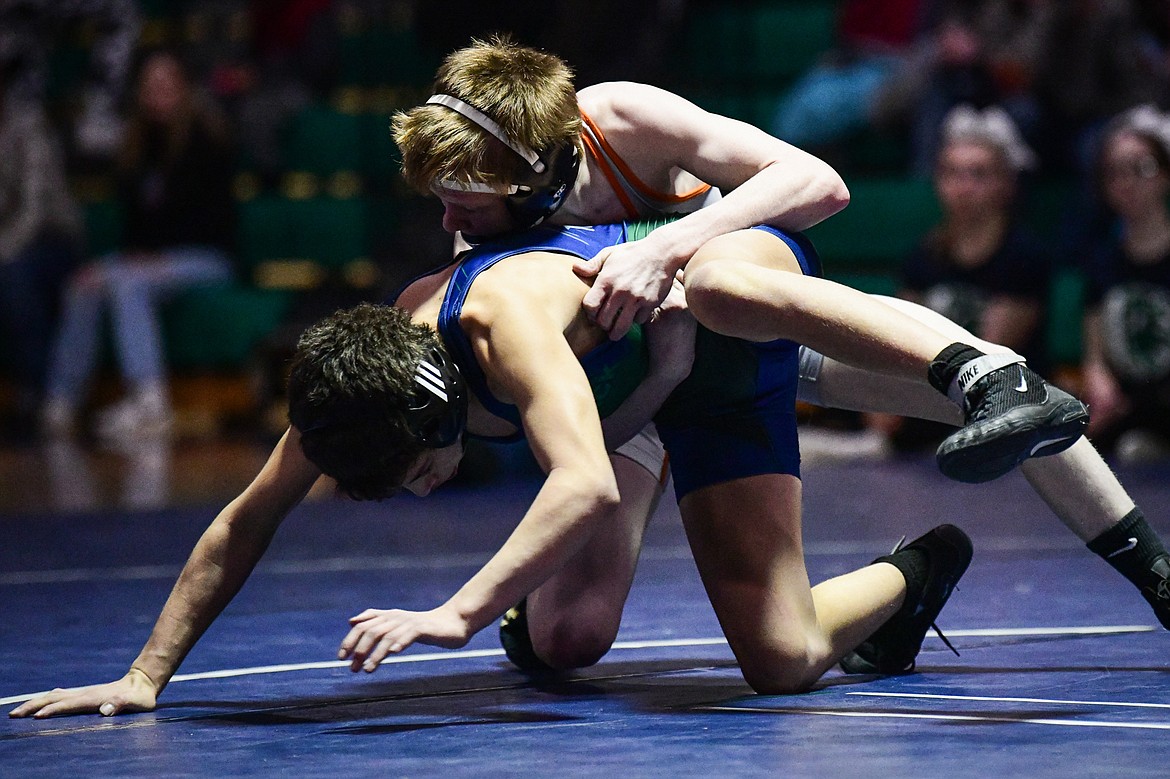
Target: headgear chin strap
437	414
539	193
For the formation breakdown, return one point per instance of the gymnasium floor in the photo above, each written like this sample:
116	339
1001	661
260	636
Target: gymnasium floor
1061	675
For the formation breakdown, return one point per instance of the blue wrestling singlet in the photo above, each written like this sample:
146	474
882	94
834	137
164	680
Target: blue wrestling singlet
733	417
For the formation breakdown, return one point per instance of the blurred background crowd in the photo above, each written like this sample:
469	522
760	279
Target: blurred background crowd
185	185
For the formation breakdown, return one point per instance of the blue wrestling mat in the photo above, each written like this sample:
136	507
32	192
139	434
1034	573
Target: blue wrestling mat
1062	673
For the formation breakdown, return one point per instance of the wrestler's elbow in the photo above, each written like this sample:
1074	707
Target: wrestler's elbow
597	492
833	193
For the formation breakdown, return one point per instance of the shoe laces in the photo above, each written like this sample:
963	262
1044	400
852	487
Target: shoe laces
1161	590
938	631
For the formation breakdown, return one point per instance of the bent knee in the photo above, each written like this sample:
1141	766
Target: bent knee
780	682
574	646
786	671
716	292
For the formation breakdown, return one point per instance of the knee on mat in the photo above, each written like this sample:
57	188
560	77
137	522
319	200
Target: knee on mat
783	672
577	645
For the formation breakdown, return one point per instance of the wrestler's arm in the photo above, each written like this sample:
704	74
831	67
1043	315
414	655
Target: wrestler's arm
523	352
216	570
670	345
765	180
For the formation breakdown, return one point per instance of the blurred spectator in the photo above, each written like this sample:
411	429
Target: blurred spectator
979	52
30	28
40	229
1097	59
1127	326
174	171
907	62
840	96
290	60
980	267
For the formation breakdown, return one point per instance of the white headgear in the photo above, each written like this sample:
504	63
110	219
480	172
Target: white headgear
991	125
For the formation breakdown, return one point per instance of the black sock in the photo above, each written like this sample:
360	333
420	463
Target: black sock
914	566
1131	546
945	367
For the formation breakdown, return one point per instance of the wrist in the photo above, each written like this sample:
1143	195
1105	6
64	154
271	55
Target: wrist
142	677
673	244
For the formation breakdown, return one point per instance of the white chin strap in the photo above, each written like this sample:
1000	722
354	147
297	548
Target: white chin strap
486	122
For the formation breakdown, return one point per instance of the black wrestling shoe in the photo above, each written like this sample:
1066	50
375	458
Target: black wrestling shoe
517	642
1012	414
893	647
1156	588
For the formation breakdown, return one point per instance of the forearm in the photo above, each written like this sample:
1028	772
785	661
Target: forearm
638	409
556	525
216	570
777	195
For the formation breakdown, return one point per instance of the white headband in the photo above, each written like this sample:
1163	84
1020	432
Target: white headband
476	186
489	124
1148	120
994	126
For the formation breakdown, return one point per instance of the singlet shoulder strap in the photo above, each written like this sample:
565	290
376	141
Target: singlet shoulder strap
621	177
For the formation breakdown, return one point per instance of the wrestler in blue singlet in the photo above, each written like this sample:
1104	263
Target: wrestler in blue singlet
733	417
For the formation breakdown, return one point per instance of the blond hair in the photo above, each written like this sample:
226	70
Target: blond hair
529	93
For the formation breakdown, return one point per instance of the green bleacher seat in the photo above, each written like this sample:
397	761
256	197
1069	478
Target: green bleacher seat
218	327
787	38
885	218
327	231
380	55
716	44
1046	203
323	141
1065	314
759	43
379	153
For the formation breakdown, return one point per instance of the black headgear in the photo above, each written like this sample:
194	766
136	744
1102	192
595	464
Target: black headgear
551	176
438	410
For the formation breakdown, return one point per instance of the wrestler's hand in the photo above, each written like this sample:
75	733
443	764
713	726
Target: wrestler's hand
133	692
380	632
631	280
670	335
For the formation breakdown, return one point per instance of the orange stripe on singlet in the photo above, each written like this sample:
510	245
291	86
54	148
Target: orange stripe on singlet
610	176
613	157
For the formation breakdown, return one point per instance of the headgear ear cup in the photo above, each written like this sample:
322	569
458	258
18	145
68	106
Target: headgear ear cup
552	170
438	413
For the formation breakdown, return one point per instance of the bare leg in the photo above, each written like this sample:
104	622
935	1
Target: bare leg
573	617
749	285
746	540
1080	488
1076	484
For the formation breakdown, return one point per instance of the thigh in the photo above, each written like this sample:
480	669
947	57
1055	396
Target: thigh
746	539
174	269
753	247
590	591
941	324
